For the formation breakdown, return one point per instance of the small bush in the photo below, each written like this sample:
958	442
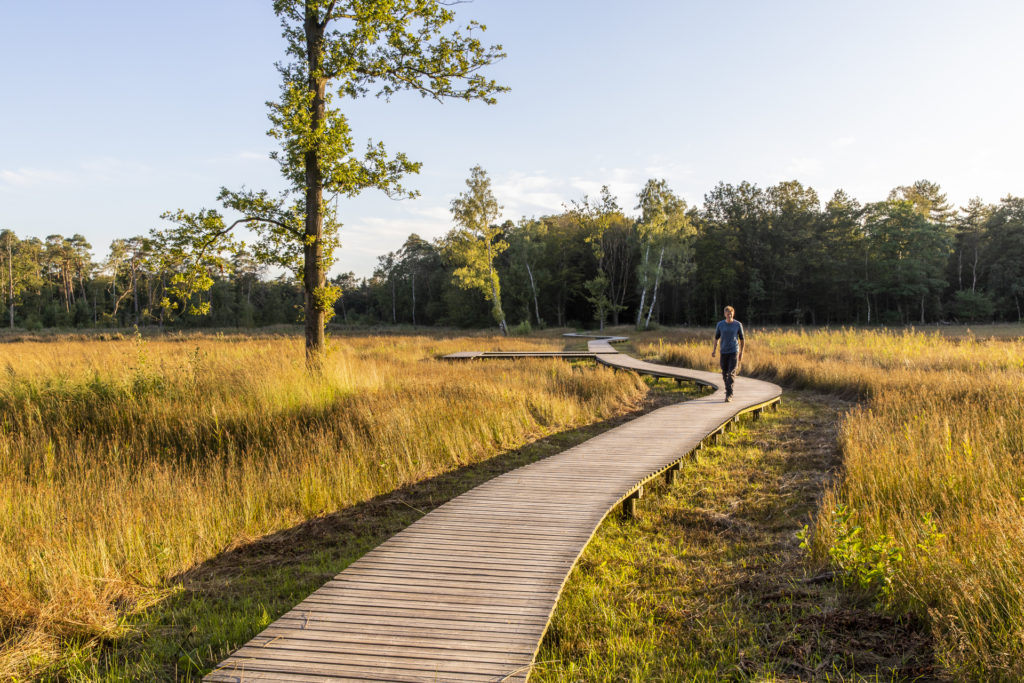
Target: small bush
521	330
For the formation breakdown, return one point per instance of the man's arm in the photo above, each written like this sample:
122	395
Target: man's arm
714	344
741	342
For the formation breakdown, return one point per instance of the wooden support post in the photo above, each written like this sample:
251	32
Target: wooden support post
670	474
629	505
679	382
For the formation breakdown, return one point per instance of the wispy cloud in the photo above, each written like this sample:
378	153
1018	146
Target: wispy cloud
800	167
244	155
537	192
524	194
97	170
844	142
33	177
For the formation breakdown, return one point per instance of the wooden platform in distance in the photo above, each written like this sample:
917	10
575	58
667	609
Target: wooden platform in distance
466	592
470	355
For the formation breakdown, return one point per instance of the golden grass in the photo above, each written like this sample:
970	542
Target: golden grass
932	467
124	463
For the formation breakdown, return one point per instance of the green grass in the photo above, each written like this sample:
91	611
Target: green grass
709	582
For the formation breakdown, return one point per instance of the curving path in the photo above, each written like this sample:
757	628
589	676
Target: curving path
466	592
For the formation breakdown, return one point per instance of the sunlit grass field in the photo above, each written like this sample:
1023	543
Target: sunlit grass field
125	462
933	474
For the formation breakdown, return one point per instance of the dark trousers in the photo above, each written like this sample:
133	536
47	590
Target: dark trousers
728	363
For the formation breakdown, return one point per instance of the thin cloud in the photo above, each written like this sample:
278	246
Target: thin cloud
800	167
33	177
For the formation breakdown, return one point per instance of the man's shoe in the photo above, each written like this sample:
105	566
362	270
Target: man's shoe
728	399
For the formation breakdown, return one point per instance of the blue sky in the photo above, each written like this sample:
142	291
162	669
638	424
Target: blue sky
114	111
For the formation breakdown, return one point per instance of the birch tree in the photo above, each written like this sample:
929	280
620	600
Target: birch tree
663	231
476	241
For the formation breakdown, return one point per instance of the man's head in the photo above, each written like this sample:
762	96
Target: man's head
729	313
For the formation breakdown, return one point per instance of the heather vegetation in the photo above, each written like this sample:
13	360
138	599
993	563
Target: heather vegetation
127	462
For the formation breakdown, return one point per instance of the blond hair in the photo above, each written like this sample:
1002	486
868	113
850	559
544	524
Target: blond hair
730	309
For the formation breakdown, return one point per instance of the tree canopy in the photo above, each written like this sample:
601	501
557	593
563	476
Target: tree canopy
337	50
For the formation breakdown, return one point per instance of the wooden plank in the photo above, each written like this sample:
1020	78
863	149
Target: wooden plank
404	605
257	669
384	618
342	661
442	637
348	652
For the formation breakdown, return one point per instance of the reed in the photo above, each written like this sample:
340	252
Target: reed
933	475
126	462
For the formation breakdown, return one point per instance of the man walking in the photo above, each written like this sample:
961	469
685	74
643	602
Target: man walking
730	332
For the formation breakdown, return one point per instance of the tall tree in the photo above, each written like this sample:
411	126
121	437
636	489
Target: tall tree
835	261
526	249
909	251
595	217
1004	252
19	268
969	231
663	230
343	49
927	198
477	241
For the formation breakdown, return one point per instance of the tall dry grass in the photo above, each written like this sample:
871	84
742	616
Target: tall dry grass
124	463
933	474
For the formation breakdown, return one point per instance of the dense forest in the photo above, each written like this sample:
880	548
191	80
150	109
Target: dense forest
777	254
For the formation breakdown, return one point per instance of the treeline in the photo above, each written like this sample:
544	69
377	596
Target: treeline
776	253
56	283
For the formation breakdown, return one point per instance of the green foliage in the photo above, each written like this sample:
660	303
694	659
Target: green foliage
476	242
665	233
337	50
774	253
523	329
973	306
872	567
595	217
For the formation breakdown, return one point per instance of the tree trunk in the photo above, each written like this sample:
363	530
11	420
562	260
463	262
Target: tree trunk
414	299
974	270
497	310
922	309
81	283
135	294
533	288
10	275
643	290
313	275
960	268
394	305
654	292
867	299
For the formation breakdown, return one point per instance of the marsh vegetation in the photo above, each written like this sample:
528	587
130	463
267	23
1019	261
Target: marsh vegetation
125	463
926	515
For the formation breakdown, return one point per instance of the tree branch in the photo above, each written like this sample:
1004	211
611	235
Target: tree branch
260	219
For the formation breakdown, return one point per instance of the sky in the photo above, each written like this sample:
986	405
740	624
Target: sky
115	111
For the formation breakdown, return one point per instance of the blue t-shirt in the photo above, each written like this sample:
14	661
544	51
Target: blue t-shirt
729	333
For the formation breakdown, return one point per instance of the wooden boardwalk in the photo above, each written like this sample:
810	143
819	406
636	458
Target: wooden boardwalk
466	592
